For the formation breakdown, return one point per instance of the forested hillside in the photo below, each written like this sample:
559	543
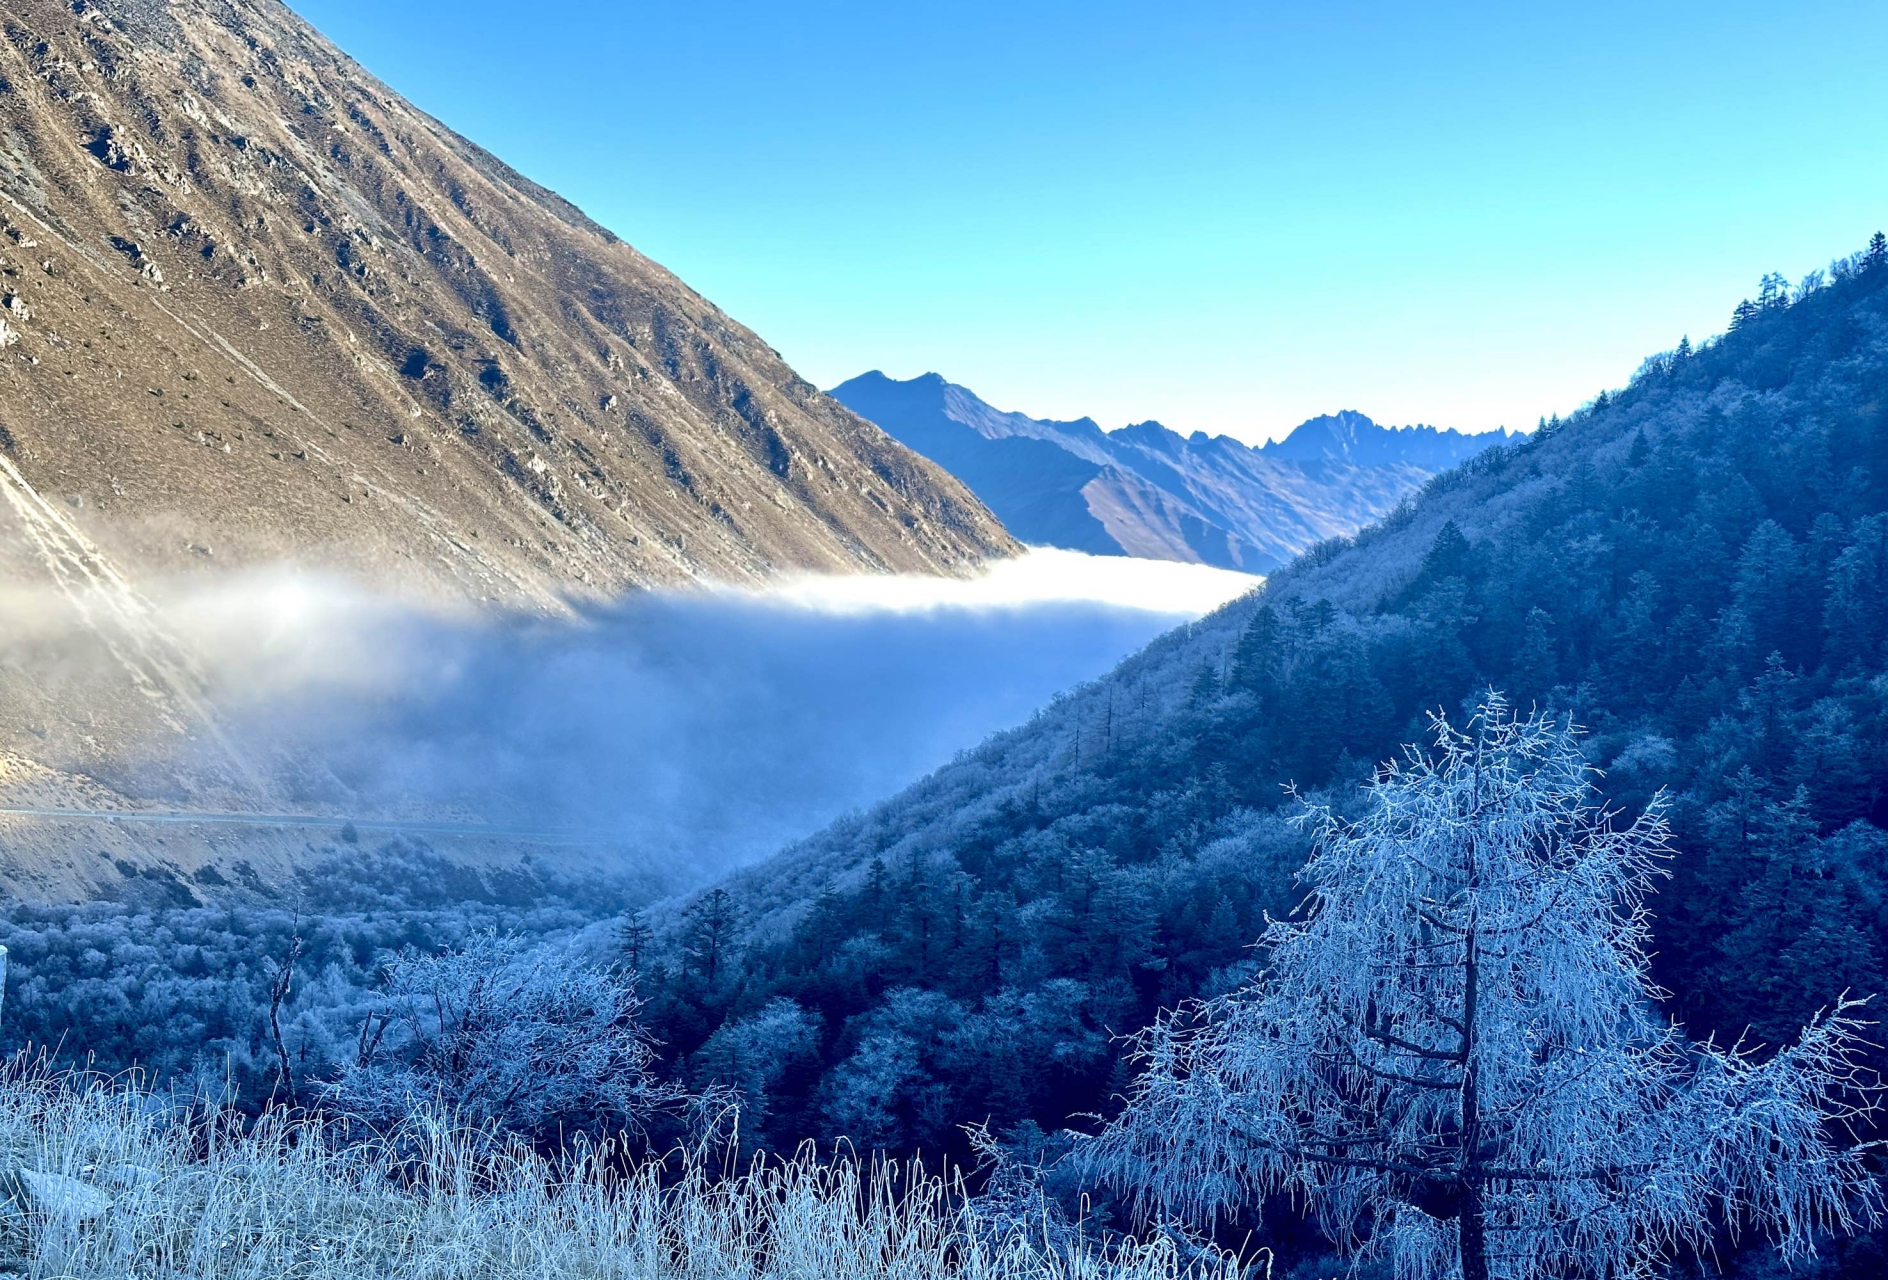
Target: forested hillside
1695	567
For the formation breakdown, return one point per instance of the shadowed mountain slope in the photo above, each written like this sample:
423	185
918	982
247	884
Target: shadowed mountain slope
1695	568
1147	491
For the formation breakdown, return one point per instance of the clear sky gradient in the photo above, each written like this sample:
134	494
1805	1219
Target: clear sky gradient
1229	217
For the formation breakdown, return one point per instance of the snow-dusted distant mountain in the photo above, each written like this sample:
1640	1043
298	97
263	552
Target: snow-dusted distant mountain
1348	436
1148	491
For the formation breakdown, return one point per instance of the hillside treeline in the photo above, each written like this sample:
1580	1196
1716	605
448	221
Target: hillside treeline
1695	567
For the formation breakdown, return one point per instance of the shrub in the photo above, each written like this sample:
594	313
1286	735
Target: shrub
528	1042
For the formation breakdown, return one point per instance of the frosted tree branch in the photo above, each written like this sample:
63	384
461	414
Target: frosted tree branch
1455	1056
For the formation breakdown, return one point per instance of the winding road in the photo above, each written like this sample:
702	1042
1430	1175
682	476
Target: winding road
478	830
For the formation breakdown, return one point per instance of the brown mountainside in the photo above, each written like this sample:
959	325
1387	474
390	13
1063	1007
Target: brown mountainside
256	308
260	307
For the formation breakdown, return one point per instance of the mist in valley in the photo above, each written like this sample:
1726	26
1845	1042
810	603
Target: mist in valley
682	730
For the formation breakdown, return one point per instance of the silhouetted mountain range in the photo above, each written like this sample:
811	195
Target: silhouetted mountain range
1146	490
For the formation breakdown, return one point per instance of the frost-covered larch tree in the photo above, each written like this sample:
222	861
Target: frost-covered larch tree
1455	1056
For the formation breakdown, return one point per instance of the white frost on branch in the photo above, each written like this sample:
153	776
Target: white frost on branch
502	1038
1455	1055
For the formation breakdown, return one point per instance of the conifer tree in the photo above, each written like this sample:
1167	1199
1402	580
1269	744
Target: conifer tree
1640	453
637	940
1455	1057
1450	556
708	931
1537	664
1255	658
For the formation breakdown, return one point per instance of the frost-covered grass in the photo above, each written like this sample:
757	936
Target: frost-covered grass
200	1195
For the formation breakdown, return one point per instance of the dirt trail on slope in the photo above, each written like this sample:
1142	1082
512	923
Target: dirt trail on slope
129	627
576	836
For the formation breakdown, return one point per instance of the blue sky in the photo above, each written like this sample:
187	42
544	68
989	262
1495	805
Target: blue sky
1228	217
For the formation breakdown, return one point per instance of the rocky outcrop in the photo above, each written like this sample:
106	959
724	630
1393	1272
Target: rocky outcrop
52	1195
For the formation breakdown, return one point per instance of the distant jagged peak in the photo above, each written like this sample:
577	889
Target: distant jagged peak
1346	437
876	392
1155	435
1352	437
1327	437
925	385
961	404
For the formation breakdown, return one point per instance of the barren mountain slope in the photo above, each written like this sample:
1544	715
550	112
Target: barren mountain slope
256	308
261	307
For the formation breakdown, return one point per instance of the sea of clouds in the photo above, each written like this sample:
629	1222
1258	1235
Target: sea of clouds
696	728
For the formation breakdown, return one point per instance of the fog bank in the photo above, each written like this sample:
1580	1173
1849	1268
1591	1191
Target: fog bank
706	727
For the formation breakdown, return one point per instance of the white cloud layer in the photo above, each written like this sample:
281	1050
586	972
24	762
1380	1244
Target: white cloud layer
706	727
1044	576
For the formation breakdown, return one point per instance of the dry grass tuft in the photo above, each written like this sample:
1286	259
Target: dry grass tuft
195	1193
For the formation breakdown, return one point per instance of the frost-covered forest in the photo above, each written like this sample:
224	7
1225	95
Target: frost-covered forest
1694	568
182	989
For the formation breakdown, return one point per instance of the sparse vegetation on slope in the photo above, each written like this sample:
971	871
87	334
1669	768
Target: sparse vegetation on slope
263	307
